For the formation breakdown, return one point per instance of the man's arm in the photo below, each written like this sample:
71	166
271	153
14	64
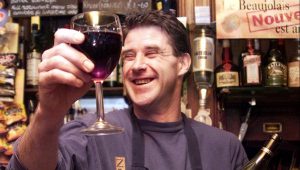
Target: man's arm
63	78
39	146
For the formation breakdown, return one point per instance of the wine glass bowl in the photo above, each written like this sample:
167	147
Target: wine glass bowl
102	45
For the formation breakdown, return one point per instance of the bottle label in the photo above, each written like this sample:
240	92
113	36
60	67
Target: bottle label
276	74
203	54
252	64
227	79
294	74
33	61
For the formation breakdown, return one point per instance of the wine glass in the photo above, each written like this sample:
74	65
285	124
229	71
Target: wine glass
102	45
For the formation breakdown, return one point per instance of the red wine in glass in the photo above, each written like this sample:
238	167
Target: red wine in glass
103	48
102	45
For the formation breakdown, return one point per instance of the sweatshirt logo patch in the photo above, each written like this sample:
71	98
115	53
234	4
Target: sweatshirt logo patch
120	163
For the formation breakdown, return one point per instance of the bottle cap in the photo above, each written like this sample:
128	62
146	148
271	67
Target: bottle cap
226	43
35	20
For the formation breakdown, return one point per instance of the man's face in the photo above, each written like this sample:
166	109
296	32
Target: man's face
150	70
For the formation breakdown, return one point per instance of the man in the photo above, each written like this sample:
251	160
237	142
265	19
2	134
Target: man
157	135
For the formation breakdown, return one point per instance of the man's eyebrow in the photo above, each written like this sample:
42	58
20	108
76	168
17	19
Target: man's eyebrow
125	51
152	47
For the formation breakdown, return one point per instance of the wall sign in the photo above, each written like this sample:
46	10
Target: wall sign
25	8
258	18
118	6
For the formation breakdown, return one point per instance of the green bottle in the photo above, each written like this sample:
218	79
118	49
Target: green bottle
261	160
275	68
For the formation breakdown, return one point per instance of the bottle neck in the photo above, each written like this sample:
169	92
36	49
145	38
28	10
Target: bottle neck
226	55
256	45
281	47
226	52
250	46
273	44
298	47
264	154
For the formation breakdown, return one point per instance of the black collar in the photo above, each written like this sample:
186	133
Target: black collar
138	146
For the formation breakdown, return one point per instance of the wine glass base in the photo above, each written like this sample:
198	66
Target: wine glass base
102	128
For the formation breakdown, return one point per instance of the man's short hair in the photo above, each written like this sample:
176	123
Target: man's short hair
178	35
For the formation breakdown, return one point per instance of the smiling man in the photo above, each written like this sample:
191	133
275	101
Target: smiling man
156	56
152	74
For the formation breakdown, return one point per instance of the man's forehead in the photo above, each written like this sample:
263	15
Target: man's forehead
146	36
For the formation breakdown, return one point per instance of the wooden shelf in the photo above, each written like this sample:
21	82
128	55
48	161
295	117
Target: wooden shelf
278	106
263	95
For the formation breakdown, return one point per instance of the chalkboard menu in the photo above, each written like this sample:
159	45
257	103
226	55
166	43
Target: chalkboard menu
23	8
118	6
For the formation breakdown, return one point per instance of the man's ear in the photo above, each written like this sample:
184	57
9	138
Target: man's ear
184	63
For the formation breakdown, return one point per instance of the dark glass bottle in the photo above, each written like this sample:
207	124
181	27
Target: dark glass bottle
227	74
33	57
80	5
294	68
120	73
21	50
261	160
167	6
158	5
251	61
275	70
112	79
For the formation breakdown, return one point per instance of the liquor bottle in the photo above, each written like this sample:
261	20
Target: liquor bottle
120	73
80	5
294	68
204	60
167	6
33	56
275	69
227	74
158	5
203	114
261	160
258	49
112	79
251	65
21	50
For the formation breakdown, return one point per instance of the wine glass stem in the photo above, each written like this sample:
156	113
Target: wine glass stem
99	100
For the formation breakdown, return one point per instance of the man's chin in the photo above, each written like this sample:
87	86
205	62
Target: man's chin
141	103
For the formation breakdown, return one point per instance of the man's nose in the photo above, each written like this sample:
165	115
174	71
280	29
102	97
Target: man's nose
139	63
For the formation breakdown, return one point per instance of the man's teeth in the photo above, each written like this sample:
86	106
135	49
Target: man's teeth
142	81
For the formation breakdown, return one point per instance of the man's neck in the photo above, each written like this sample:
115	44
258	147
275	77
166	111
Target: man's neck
161	114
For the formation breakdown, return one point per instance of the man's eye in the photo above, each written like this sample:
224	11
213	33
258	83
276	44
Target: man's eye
128	57
151	53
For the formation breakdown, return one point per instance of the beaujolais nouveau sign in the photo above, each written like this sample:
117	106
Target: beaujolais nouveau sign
258	19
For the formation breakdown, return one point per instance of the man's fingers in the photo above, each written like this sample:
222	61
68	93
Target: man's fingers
68	36
57	76
59	62
71	54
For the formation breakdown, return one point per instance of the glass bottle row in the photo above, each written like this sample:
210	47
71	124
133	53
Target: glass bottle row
255	68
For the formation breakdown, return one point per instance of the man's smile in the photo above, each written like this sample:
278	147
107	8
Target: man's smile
142	81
